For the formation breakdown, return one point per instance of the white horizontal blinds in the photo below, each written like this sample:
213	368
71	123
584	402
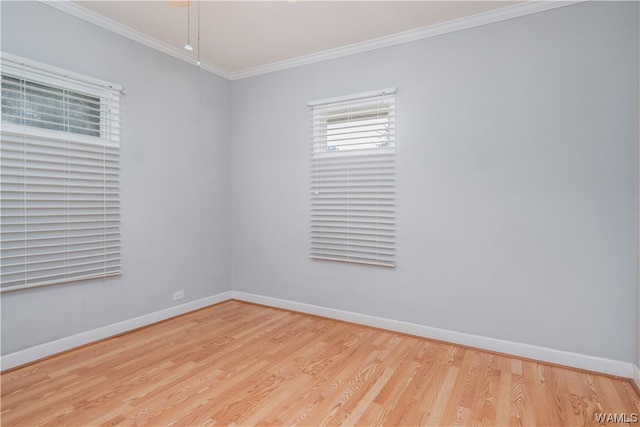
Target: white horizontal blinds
353	179
59	161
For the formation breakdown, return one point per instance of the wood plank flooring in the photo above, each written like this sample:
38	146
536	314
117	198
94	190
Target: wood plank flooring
241	364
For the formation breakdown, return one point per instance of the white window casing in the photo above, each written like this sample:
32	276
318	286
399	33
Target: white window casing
353	179
60	169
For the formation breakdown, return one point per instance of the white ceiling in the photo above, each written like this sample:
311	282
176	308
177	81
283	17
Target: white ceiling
239	36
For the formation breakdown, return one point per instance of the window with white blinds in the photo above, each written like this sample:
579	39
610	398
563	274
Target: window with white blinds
353	179
59	176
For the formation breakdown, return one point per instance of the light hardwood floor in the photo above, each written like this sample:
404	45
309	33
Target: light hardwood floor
243	364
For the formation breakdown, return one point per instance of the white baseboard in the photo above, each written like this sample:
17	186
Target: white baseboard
47	349
581	361
543	354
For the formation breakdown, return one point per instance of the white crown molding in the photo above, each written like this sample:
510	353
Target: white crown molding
508	12
78	11
502	14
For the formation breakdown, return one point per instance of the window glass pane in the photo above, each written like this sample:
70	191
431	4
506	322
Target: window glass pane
359	132
84	114
12	103
43	106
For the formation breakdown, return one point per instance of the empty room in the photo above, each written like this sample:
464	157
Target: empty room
320	213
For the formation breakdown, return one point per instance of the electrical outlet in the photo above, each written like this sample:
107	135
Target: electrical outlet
178	295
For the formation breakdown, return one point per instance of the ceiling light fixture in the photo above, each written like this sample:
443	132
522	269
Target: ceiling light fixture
188	45
198	63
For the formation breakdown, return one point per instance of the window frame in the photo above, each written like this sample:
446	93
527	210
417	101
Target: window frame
37	72
32	102
353	190
90	177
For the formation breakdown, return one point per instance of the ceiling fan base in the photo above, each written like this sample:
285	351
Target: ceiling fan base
178	3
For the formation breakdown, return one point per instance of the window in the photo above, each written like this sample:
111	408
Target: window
32	104
59	164
353	179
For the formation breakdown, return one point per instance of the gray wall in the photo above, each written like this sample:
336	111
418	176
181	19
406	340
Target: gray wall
638	179
516	160
638	175
175	179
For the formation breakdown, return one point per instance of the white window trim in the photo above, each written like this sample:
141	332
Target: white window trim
77	81
353	97
27	69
